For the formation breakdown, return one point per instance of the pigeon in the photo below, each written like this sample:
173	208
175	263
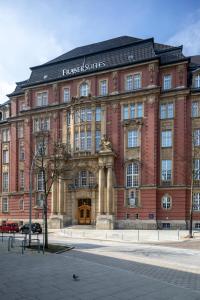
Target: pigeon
75	277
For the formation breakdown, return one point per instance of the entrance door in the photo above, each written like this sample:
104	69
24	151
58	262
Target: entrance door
84	211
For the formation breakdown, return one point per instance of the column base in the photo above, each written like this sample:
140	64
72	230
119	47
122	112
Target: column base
56	221
105	222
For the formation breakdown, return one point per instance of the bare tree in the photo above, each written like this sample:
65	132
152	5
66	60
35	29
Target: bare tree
49	161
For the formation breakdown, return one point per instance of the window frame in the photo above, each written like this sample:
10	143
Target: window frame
3	205
66	95
44	100
167	82
166	202
84	89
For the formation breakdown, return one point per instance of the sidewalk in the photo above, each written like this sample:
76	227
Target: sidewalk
49	277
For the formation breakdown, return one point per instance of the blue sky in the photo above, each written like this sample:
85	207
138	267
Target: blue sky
35	31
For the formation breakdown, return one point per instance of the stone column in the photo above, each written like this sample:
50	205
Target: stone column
101	189
60	196
54	198
109	190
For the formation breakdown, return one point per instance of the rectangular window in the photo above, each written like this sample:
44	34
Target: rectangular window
82	140
98	139
132	175
139	110
83	115
5	135
166	111
21	152
66	95
5	156
5	208
166	170
137	81
132	138
103	88
89	114
21	179
132	198
68	118
41	147
196	137
89	140
76	117
5	182
125	112
21	204
76	141
196	201
40	200
166	138
98	114
167	82
197	81
20	131
40	181
83	179
129	83
196	169
42	99
132	111
195	109
44	124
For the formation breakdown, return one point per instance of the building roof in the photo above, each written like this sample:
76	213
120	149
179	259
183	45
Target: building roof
113	53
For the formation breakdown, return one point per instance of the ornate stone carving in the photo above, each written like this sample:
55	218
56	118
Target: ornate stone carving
105	145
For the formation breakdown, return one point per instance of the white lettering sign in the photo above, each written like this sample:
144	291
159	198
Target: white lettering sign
83	68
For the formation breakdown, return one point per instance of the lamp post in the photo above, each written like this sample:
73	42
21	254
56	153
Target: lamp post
30	199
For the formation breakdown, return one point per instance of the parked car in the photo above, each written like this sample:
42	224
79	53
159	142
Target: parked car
9	227
35	228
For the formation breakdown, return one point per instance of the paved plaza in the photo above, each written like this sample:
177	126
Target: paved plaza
102	276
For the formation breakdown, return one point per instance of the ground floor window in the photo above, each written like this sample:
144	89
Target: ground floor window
166	202
196	201
4	205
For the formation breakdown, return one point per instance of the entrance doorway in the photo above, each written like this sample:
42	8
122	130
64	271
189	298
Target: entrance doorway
84	211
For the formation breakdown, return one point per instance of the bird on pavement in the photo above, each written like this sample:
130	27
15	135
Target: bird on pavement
75	277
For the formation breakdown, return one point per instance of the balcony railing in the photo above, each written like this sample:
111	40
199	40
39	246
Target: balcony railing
87	186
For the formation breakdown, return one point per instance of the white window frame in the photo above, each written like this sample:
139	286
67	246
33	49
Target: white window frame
166	137
195	109
84	89
98	114
133	138
66	94
196	201
40	181
5	135
137	81
42	98
5	156
20	131
21	152
5	181
196	136
103	86
167	110
167	82
129	83
125	112
166	202
197	169
21	179
197	81
132	175
5	205
166	170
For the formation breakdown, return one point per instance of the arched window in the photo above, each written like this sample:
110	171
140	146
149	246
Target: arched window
166	202
84	89
84	179
132	175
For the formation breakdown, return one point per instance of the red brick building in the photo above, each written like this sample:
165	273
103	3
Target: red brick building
127	108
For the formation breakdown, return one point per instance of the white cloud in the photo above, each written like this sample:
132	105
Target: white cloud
188	36
22	45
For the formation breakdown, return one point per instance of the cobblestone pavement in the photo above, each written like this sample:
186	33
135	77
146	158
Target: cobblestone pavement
34	276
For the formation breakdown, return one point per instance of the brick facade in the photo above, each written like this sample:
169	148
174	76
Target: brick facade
148	211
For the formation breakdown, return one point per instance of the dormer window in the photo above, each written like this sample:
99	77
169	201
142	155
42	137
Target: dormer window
84	89
197	81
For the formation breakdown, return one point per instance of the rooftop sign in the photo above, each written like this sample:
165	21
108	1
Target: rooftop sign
84	68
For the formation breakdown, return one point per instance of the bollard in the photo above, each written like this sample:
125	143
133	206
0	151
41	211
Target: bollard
122	236
138	235
2	236
158	234
178	234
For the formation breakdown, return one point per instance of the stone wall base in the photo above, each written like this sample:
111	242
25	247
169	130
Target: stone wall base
57	221
105	222
136	224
